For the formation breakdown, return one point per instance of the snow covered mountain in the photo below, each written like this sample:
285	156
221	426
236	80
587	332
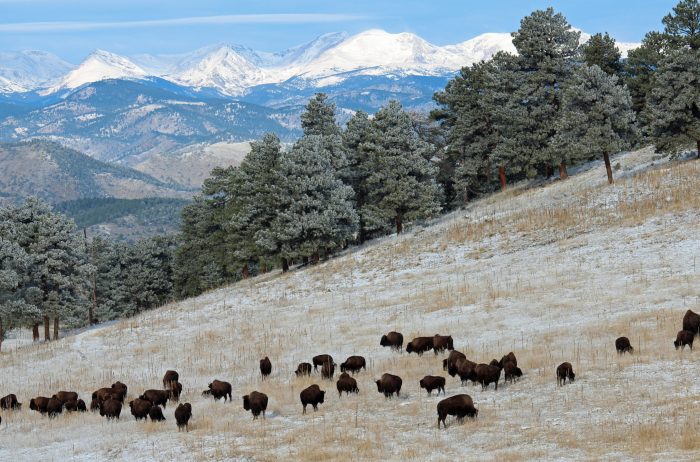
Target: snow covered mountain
25	70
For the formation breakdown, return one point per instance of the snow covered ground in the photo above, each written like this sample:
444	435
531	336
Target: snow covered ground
553	273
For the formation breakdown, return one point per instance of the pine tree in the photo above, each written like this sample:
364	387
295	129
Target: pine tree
682	26
149	273
401	185
318	119
600	50
640	66
597	117
673	108
354	139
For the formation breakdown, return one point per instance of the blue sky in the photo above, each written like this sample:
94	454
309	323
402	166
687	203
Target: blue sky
73	28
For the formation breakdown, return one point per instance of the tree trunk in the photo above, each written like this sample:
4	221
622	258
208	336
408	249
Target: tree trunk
608	169
35	332
55	327
2	335
263	268
549	170
502	176
245	271
315	258
698	143
563	174
285	265
399	224
47	332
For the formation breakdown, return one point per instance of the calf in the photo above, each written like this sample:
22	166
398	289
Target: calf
303	369
623	346
346	384
433	382
183	413
265	367
683	338
565	371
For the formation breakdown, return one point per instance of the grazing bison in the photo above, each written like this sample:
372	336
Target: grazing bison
303	369
320	360
623	346
353	364
65	396
265	367
683	338
565	371
487	374
220	389
156	397
420	345
119	391
312	395
54	407
450	364
346	384
433	382
183	413
169	377
442	343
140	408
460	406
39	404
393	340
111	408
99	397
174	391
10	402
81	406
156	414
389	384
509	358
256	403
691	322
327	370
73	406
465	370
511	372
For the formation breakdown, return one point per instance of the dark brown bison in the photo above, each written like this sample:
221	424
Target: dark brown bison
442	343
303	369
465	370
494	362
487	374
327	370
565	371
39	404
100	396
320	360
256	403
119	391
183	413
169	377
140	408
220	389
460	406
65	396
312	395
623	346
73	406
353	364
450	364
691	322
174	391
683	338
156	414
389	384
265	367
509	358
54	407
420	345
10	402
433	382
393	340
346	384
511	372
156	397
111	408
95	404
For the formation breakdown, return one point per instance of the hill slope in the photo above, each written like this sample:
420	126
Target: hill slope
553	273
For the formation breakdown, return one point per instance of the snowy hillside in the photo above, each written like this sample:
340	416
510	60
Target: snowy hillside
554	273
25	70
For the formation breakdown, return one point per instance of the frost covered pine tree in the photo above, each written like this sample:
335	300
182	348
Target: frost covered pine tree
597	117
355	139
600	50
402	182
318	119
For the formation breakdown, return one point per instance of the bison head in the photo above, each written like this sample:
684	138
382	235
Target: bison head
321	396
246	402
379	386
384	341
677	344
572	376
409	347
32	405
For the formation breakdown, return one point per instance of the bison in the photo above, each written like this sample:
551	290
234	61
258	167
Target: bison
256	403
623	346
460	406
111	408
450	364
511	372
691	322
433	382
389	384
174	391
509	358
303	369
442	343
119	391
265	367
465	370
183	413
54	406
156	397
486	374
65	396
312	395
420	345
140	408
346	384
220	389
10	402
393	340
169	377
494	362
73	406
683	338
320	360
39	404
327	370
565	371
156	414
353	364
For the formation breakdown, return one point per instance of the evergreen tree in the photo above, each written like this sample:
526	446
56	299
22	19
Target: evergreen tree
148	278
673	107
401	185
597	117
600	50
319	117
640	66
354	139
682	26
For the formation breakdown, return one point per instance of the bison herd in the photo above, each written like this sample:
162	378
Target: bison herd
109	400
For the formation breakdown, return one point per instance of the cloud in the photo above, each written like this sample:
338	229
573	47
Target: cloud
61	26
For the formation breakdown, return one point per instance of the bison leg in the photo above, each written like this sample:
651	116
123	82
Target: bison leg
304	411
